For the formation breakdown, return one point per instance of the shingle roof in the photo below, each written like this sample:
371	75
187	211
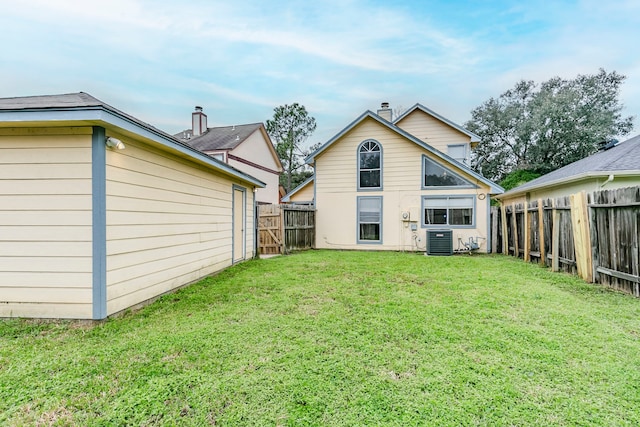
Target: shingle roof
81	106
79	99
625	156
221	138
68	100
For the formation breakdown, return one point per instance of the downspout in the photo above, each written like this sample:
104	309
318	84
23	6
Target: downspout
609	179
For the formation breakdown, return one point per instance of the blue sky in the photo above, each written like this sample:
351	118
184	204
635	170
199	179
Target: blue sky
157	59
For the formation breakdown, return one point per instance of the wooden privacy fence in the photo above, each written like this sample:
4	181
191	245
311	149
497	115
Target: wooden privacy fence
594	235
284	228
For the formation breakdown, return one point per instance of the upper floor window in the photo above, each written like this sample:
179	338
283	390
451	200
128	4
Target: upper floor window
458	152
369	165
436	175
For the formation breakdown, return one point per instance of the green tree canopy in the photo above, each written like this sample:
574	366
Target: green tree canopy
290	127
543	127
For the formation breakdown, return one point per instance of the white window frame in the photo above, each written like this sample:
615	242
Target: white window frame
462	160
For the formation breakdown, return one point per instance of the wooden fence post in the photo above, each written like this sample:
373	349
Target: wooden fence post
526	223
494	229
581	237
505	230
543	252
555	239
514	220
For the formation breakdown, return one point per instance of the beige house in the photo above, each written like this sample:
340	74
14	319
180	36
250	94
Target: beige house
383	185
246	147
303	194
615	166
100	211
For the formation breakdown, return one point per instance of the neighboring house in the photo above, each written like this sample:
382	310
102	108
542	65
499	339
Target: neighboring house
100	211
245	147
302	194
610	168
381	185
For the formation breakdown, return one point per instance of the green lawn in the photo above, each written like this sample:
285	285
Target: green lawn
340	338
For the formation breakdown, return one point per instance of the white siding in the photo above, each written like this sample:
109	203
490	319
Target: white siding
45	223
168	223
255	149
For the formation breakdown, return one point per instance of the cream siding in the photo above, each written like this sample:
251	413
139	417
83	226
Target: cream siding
255	150
45	223
336	193
432	131
588	184
168	223
303	195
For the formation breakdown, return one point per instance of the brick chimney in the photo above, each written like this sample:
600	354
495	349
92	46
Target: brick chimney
385	111
198	121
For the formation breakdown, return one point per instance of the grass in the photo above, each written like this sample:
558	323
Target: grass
340	338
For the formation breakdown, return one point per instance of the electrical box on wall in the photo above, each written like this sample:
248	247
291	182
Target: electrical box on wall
411	214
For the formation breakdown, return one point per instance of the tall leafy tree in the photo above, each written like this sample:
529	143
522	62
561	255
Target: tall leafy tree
543	127
290	127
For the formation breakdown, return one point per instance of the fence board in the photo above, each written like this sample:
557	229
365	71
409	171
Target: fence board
596	235
284	228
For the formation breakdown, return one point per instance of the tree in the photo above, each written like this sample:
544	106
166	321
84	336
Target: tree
517	177
542	128
290	127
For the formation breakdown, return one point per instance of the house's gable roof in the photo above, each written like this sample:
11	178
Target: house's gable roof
228	138
622	158
73	108
494	188
473	137
303	184
222	137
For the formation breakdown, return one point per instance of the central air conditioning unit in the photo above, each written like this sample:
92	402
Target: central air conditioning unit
439	242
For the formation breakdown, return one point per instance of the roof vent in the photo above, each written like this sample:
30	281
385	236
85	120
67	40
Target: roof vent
607	144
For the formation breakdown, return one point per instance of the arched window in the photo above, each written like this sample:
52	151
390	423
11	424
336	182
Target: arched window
369	165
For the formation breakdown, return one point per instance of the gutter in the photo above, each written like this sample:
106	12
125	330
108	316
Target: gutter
556	182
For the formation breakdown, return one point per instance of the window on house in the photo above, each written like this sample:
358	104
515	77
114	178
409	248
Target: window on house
369	165
448	210
370	219
436	175
458	152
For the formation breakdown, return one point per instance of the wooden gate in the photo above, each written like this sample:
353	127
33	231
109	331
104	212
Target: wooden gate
284	228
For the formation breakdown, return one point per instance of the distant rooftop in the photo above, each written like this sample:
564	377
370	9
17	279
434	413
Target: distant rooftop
219	138
625	156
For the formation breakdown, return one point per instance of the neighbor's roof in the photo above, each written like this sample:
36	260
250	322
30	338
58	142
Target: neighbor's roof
494	188
227	138
84	108
221	138
623	158
418	106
